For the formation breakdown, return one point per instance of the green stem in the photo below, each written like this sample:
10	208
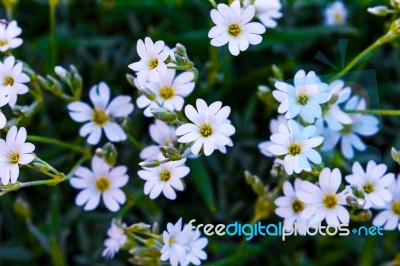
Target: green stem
53	42
375	112
135	143
58	143
369	50
212	2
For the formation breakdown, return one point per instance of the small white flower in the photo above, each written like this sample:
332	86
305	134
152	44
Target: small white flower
170	91
233	26
335	14
364	125
267	11
152	60
4	99
296	145
304	98
323	201
289	206
333	115
11	76
374	182
116	239
209	129
162	134
102	181
274	129
389	217
102	116
14	151
164	178
194	248
175	240
8	35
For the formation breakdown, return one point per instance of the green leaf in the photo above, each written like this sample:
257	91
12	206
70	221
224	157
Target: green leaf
202	181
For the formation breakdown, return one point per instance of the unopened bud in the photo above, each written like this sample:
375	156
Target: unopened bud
131	80
61	72
395	155
379	10
150	163
110	154
358	192
277	72
395	27
171	153
180	50
21	208
360	215
149	94
395	3
42	166
164	114
355	203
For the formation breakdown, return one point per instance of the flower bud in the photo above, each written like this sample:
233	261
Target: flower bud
110	154
21	208
395	155
395	3
131	80
395	27
379	10
354	202
150	163
277	72
358	192
61	72
171	153
180	50
149	94
164	114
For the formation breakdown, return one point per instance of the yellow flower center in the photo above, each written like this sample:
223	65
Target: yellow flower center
302	99
297	206
153	63
294	149
234	30
14	158
165	175
102	184
99	117
167	93
330	201
396	208
368	188
338	17
347	129
8	81
171	241
206	130
3	42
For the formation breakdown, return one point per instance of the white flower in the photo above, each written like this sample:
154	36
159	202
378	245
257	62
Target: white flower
175	241
335	14
273	128
102	181
374	182
209	129
289	206
152	60
267	11
164	178
116	239
304	98
233	25
364	125
322	201
162	134
14	151
296	145
333	115
194	248
8	35
11	76
170	91
389	217
102	116
4	99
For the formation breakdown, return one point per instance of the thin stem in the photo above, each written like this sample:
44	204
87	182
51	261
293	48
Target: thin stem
384	39
134	142
58	143
375	112
212	2
53	41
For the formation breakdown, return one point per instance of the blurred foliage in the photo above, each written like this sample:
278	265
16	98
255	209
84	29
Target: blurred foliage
42	226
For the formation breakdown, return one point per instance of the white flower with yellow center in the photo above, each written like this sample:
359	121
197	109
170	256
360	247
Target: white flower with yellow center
14	151
164	178
323	201
209	129
152	60
289	206
116	239
233	26
102	181
296	145
162	134
274	129
102	116
335	14
389	217
374	182
12	77
8	35
170	91
267	11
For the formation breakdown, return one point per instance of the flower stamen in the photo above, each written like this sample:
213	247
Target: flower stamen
102	184
167	93
99	117
330	201
297	206
165	175
234	30
206	130
294	149
153	63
